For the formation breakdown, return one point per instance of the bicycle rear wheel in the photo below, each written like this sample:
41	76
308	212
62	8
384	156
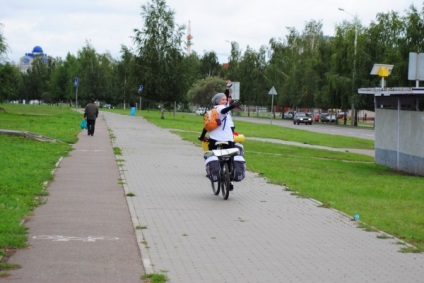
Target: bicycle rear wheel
215	188
225	181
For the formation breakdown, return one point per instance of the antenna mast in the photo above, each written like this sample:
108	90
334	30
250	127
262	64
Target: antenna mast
189	38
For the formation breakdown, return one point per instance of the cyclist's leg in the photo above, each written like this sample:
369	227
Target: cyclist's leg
212	144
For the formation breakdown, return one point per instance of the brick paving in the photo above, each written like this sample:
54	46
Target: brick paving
262	233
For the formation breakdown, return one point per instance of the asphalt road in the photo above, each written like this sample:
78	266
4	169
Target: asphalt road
357	132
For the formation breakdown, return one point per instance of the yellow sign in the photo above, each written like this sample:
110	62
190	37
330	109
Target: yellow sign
383	72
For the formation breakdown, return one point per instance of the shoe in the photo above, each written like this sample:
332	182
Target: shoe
231	186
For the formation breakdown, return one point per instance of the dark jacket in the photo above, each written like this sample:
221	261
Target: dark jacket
91	111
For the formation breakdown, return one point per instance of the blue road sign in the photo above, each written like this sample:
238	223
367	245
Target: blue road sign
140	88
76	82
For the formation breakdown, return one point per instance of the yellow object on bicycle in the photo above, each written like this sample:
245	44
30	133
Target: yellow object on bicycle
205	145
239	138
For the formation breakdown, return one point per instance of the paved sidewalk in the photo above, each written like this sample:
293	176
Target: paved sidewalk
83	233
262	233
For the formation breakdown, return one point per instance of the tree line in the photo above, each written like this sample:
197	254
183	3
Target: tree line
307	68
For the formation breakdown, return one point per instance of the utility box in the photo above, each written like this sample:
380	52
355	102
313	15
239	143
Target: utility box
399	128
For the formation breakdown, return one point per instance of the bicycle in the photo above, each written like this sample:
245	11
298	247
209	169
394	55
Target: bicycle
225	157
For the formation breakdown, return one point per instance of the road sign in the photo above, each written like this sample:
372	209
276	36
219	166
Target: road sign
235	90
140	88
76	82
272	91
416	66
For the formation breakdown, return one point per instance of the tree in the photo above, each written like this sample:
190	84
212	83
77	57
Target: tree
37	79
252	77
59	81
94	73
234	60
160	53
191	66
209	64
10	82
3	44
125	79
203	90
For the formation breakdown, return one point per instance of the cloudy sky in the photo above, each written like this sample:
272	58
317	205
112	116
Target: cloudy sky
61	26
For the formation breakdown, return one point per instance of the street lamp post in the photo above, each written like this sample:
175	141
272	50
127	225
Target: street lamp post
76	83
353	118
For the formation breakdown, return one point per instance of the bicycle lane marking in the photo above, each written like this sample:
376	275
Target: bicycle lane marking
59	238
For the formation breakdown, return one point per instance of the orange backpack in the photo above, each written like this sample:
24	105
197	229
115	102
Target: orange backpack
211	120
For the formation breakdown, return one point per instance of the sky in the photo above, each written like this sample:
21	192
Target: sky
62	27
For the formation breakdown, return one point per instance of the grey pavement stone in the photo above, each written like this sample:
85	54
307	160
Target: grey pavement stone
262	233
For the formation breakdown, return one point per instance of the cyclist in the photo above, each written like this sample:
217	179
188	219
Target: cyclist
223	132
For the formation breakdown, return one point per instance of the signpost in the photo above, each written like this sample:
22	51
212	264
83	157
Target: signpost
382	70
235	90
76	83
416	68
272	92
140	89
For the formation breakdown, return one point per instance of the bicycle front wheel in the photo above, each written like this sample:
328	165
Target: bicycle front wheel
225	181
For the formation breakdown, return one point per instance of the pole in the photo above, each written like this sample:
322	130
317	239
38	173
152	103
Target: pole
354	70
272	92
272	107
353	120
76	83
76	97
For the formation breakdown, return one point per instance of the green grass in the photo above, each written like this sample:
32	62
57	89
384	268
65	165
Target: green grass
57	122
155	278
27	164
385	199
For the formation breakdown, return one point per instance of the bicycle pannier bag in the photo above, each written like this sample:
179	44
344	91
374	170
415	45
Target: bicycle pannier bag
240	148
212	168
239	168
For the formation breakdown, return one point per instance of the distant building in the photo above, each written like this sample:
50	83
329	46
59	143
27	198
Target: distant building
25	62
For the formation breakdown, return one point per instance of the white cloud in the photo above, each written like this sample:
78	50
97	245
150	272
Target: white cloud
60	27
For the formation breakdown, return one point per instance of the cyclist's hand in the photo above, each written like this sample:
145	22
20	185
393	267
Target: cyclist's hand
202	139
237	103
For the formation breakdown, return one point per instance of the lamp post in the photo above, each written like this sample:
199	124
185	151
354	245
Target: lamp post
353	118
76	83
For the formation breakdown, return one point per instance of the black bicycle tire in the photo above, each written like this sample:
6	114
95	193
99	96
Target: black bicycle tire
225	181
215	188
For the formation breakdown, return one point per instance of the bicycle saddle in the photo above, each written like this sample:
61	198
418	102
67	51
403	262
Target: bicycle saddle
224	152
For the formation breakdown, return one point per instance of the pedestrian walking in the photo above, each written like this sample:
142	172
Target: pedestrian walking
91	112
